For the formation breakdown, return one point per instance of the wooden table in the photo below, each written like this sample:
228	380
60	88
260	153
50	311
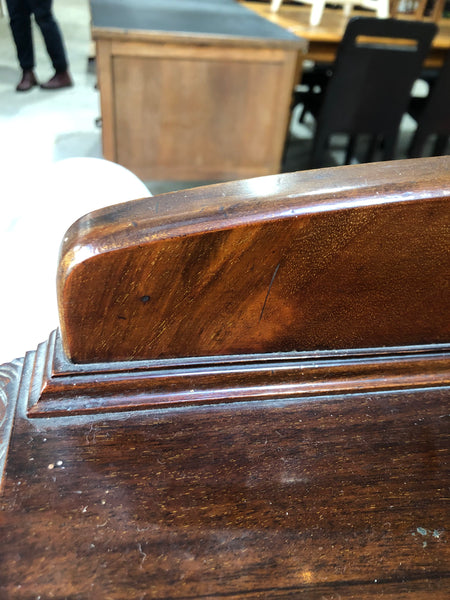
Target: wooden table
324	39
193	89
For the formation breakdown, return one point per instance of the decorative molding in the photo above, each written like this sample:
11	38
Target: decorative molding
60	388
9	383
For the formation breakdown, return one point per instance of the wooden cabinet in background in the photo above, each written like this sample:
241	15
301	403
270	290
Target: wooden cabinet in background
195	105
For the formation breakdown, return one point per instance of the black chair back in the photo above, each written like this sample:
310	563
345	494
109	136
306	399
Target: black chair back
433	114
376	65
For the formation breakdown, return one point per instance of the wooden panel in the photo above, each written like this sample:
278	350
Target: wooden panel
326	259
199	118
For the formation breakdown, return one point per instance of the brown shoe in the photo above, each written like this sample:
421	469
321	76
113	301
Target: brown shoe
27	82
58	81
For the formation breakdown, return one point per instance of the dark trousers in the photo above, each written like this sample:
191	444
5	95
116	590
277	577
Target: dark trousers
20	12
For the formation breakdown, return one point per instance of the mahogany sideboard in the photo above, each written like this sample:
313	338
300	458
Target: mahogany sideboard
247	397
193	89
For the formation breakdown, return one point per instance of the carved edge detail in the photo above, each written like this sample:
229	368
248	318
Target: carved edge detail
10	374
89	392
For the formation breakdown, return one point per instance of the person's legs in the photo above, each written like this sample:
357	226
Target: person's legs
42	10
20	23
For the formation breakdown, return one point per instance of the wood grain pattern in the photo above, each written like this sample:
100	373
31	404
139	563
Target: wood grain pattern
328	259
192	113
106	83
331	497
61	388
328	480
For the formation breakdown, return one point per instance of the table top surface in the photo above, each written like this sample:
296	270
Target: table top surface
295	18
221	18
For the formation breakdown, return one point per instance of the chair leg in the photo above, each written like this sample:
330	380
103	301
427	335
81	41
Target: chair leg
383	9
372	146
320	144
350	149
390	142
287	140
440	146
316	12
302	114
348	9
415	149
275	5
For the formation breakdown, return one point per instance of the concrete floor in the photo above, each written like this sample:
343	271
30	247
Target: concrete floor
42	191
40	127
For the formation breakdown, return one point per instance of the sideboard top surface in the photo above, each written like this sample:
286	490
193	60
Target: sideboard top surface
191	17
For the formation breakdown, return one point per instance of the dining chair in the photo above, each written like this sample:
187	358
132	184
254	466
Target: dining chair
368	93
417	9
381	7
432	115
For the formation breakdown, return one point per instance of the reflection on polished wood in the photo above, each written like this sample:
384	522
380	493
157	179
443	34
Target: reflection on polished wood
265	265
320	474
323	39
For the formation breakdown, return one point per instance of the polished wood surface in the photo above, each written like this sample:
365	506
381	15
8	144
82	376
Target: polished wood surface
318	475
323	39
326	259
333	497
178	88
66	388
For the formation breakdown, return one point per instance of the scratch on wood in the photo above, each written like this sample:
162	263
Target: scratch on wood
142	554
268	291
